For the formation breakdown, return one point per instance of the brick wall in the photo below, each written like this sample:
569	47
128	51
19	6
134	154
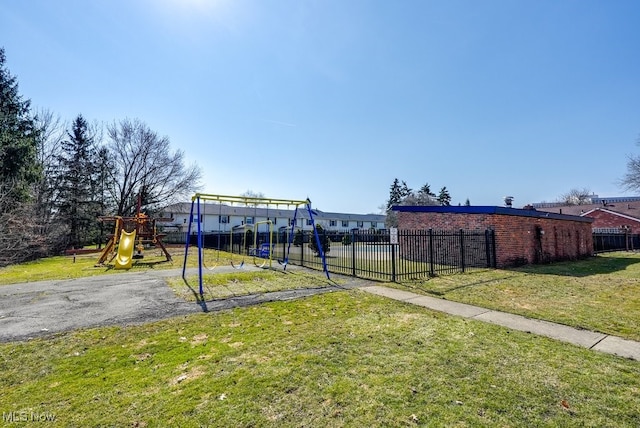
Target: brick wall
604	219
519	239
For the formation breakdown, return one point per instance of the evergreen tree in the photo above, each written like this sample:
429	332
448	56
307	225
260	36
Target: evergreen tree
79	184
425	196
467	203
444	198
426	192
298	238
18	139
324	241
103	183
395	194
405	190
346	239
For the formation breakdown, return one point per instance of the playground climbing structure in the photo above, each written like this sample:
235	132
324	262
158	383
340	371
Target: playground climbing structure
130	237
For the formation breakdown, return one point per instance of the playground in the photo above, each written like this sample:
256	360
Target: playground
122	349
132	236
123	346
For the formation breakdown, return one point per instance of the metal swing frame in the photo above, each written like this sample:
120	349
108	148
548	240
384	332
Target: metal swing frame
217	260
246	200
243	246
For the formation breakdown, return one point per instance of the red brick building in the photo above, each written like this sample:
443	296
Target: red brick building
606	216
521	236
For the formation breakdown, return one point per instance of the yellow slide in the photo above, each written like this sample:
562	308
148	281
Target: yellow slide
125	250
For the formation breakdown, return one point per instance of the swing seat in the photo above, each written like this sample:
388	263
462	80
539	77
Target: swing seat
240	266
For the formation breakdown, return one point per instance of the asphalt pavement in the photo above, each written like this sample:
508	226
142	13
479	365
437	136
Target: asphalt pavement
37	309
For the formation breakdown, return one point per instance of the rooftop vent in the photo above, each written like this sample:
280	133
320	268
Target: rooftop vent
508	201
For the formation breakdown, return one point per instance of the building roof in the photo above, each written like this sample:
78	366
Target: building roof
238	210
488	210
624	216
630	209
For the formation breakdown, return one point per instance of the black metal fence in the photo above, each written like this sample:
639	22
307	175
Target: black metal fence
409	255
622	241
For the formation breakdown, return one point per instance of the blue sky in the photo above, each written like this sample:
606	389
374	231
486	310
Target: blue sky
333	99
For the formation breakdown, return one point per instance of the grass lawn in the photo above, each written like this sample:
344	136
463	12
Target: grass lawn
243	283
332	360
68	267
601	293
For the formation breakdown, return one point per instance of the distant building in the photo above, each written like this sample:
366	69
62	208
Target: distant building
216	217
521	236
610	215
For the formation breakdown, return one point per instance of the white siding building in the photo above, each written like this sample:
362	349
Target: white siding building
216	217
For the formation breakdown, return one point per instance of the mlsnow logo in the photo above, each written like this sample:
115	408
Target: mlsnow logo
24	416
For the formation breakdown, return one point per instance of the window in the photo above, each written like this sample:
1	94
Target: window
309	222
345	223
275	221
223	219
184	221
361	224
249	220
333	223
374	224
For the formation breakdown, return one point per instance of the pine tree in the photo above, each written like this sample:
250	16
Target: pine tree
425	196
395	194
405	190
18	139
444	198
324	241
80	201
467	203
346	239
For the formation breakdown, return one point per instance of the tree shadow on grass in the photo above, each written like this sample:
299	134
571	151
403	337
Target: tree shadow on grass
150	265
465	285
597	265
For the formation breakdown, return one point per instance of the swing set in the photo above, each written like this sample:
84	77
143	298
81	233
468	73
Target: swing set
263	252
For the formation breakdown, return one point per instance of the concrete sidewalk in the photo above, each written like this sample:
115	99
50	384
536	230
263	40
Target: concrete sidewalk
587	339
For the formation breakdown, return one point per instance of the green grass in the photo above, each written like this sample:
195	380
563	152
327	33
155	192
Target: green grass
332	360
243	283
600	294
68	267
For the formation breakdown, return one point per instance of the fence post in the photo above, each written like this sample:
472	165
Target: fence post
353	253
486	247
626	239
393	262
493	248
431	261
462	250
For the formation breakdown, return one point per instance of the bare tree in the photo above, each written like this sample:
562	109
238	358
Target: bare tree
251	194
631	180
20	236
46	192
576	197
51	132
142	164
